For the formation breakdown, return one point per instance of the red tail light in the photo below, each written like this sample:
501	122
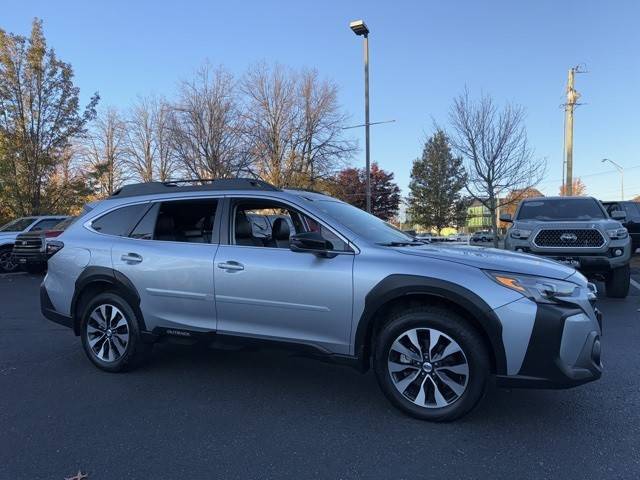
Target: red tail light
52	233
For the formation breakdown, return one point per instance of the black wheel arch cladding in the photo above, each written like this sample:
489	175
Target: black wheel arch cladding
397	286
117	281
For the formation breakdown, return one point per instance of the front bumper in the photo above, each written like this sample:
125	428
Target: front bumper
564	350
29	258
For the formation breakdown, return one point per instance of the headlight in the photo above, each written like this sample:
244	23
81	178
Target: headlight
618	233
520	233
538	289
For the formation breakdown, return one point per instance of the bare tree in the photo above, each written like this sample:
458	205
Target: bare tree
496	151
206	126
148	150
323	147
271	123
104	153
294	126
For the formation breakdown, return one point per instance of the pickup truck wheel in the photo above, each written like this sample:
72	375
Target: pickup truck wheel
7	262
110	334
617	282
431	364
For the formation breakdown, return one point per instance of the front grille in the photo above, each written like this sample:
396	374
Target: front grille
569	238
30	245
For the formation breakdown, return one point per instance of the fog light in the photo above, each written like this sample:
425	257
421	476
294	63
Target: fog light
617	252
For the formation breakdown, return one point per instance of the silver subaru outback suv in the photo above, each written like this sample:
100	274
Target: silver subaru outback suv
241	261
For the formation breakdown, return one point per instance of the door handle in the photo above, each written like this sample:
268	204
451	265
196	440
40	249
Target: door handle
131	258
235	266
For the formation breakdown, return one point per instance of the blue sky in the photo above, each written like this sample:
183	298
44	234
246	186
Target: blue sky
423	53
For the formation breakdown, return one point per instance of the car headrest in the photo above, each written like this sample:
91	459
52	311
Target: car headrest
280	229
165	225
243	226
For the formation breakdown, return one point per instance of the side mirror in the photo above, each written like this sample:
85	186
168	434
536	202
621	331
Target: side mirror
618	215
506	218
310	242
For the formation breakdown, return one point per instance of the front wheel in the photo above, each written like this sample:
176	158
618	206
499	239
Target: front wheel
110	334
617	282
431	363
7	261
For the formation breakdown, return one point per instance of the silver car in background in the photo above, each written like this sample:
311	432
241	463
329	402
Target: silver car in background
199	263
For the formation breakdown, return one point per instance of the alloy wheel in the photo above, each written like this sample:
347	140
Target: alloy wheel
7	261
428	367
107	333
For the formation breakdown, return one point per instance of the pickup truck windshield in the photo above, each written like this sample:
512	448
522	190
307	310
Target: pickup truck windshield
561	210
17	225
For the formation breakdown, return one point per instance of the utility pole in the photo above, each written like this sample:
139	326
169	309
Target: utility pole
569	107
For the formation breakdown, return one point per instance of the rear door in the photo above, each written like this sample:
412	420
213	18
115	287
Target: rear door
168	256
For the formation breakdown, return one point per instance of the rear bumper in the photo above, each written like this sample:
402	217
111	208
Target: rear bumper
50	313
564	350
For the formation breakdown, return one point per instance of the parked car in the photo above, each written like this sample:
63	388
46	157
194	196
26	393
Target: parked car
482	236
158	261
576	231
424	237
631	222
11	230
30	248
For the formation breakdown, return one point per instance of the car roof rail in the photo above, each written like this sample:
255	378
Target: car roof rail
193	185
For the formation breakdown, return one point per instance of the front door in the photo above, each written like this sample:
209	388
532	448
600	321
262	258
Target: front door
265	290
169	258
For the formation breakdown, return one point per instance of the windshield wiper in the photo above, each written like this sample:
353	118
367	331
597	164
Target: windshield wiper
400	244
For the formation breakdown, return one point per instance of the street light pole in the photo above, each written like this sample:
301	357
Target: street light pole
621	171
360	28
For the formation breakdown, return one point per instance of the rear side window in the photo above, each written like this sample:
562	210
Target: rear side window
190	221
120	221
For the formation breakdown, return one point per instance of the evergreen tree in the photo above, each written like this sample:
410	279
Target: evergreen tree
436	181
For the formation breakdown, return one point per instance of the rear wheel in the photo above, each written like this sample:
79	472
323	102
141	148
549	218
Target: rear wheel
110	334
617	282
7	260
431	364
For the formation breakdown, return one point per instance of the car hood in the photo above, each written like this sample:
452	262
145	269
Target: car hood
493	259
602	224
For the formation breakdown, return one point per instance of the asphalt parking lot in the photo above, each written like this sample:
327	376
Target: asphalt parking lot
195	413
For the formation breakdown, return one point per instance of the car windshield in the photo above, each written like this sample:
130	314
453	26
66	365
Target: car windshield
64	223
561	209
17	225
363	224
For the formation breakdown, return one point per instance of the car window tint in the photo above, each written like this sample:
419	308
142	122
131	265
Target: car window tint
120	221
337	242
188	221
146	226
46	224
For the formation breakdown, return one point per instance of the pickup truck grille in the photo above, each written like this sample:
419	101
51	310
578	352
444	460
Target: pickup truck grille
569	238
31	245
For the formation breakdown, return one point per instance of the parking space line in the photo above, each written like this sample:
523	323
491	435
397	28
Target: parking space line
635	284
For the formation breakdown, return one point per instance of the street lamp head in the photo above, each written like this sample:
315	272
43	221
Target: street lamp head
359	27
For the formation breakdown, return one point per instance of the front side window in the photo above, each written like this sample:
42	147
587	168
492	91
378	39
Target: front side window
17	225
189	221
263	223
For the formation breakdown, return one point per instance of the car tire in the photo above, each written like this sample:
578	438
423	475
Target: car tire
483	239
617	282
438	331
110	334
7	263
35	268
